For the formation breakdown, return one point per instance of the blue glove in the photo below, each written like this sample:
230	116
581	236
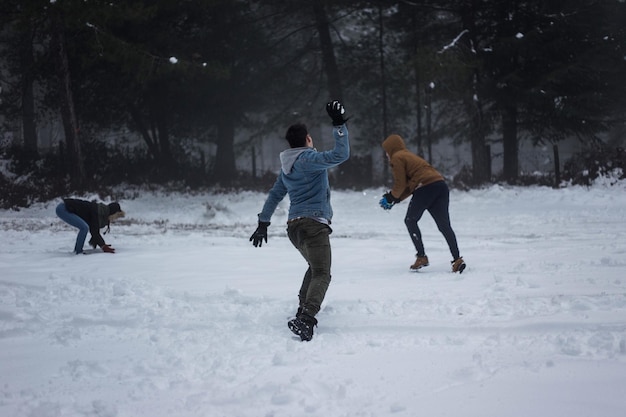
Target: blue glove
387	202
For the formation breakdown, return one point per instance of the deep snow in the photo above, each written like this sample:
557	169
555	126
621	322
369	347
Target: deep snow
189	319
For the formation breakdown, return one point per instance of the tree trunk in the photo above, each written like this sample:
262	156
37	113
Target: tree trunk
488	159
161	123
68	113
155	133
507	98
253	158
225	169
383	77
480	163
418	114
557	166
417	80
140	125
510	147
429	124
27	64
328	52
383	85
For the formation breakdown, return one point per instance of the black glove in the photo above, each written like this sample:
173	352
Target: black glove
336	111
260	234
391	198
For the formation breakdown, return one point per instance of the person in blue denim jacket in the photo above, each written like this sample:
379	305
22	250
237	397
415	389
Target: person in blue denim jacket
304	176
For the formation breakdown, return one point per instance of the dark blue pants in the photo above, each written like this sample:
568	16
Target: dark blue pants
435	198
76	221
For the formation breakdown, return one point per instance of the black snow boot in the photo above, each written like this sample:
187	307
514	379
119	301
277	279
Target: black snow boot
302	326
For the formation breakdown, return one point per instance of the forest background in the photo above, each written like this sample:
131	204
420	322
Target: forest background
198	94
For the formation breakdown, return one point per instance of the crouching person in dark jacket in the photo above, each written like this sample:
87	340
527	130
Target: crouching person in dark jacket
89	216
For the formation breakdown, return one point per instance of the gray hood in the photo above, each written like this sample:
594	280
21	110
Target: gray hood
288	158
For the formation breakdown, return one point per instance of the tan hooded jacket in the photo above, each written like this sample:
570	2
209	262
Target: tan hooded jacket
409	170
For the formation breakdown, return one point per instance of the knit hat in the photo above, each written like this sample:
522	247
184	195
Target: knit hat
114	208
115	211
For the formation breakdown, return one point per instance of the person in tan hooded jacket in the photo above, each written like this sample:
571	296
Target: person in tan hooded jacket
413	176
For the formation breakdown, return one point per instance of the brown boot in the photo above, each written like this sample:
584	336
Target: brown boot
420	261
458	265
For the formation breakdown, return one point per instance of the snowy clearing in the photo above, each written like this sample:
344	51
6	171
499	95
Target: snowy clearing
189	319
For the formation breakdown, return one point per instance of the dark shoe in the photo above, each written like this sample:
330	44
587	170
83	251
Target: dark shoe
303	326
458	265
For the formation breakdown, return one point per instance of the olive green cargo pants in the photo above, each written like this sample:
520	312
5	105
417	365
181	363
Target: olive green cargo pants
311	238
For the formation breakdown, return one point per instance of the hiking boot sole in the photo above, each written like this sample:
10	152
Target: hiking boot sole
295	329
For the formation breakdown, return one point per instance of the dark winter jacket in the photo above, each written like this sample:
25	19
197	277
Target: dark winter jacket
409	170
96	215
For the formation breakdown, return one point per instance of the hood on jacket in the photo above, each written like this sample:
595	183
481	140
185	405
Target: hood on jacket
288	158
393	144
108	213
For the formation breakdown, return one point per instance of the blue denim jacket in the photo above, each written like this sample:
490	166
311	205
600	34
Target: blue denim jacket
304	176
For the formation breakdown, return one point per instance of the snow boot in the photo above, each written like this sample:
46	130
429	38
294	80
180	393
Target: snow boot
302	326
458	265
420	261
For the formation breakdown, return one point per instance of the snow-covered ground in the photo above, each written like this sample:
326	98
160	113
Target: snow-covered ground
189	319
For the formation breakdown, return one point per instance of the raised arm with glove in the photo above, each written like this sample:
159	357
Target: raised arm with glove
336	112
